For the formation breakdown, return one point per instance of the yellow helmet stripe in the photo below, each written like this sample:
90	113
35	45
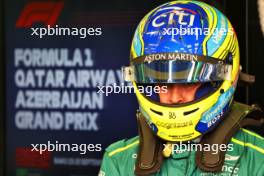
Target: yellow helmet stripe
228	43
212	19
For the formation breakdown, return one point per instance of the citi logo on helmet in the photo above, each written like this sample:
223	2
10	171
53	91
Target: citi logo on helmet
176	15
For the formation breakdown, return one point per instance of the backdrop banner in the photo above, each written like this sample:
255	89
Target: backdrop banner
63	60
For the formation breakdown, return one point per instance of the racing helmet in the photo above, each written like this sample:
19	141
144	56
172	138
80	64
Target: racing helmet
184	42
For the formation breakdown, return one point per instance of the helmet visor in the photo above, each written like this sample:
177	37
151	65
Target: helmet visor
175	71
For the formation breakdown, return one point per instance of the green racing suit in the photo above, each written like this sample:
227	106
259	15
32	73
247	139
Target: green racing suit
246	159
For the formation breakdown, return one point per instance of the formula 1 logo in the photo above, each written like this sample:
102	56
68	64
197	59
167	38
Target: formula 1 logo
178	15
39	12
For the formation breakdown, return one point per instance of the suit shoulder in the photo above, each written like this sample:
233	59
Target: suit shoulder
249	139
123	146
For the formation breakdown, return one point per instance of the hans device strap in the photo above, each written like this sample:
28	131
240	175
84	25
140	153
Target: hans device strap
150	156
240	115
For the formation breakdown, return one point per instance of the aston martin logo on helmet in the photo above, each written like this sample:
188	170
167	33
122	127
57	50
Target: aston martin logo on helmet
173	15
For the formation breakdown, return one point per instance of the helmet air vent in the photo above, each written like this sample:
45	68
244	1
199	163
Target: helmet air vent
157	112
189	112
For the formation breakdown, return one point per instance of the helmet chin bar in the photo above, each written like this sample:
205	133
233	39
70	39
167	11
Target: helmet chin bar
185	122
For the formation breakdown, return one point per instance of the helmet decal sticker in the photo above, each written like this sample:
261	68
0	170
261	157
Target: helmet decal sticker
213	115
160	31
